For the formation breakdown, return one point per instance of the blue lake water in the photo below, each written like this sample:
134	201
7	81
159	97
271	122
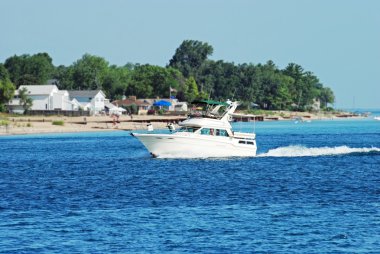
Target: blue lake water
314	188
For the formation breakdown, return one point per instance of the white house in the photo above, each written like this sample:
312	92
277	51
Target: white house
61	100
92	100
45	97
180	106
316	105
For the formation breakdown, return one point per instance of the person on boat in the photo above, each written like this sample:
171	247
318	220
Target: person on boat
171	127
150	127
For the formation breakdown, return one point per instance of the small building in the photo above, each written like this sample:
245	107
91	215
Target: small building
92	100
180	106
176	105
45	97
316	106
141	105
111	109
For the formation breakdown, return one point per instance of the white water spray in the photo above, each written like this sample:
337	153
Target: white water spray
300	151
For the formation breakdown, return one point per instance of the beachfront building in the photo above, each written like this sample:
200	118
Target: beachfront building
142	106
180	106
45	97
111	109
91	100
175	105
316	105
131	102
49	99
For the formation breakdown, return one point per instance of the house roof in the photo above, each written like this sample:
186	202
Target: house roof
39	89
84	93
109	105
128	102
62	92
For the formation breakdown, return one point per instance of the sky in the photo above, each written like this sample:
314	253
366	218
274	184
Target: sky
337	40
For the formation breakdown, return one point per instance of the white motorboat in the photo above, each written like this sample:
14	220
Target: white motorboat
202	136
377	118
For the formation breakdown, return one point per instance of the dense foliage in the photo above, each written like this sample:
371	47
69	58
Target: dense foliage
6	87
29	70
190	74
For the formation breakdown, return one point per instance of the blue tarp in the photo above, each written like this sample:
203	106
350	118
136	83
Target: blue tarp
162	103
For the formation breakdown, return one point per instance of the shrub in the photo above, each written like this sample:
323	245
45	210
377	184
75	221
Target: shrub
161	112
58	122
4	123
151	112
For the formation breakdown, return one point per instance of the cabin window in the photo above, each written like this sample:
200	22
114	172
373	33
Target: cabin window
214	132
222	133
205	131
246	142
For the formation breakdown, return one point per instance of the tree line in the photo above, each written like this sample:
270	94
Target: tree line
190	75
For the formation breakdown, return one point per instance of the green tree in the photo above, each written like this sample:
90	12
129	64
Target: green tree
248	87
89	72
30	70
15	67
326	96
150	80
7	88
189	57
116	80
25	101
41	67
219	79
140	83
306	86
282	96
191	89
64	75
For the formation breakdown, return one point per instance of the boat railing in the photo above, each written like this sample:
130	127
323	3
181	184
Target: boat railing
193	114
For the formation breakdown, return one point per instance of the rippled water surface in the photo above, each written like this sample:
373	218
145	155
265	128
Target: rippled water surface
314	188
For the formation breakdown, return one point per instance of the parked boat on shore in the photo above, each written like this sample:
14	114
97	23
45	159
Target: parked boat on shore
208	134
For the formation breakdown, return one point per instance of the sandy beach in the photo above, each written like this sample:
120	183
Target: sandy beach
40	124
19	125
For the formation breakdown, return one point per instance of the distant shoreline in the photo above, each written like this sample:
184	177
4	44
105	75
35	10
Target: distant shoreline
23	125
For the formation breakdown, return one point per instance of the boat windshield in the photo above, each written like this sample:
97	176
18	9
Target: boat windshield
208	108
214	132
188	129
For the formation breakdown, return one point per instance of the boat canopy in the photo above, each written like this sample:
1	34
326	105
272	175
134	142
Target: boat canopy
162	103
210	102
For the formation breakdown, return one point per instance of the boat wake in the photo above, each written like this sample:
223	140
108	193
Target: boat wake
302	151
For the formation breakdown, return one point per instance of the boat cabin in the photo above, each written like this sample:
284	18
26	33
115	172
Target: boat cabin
206	131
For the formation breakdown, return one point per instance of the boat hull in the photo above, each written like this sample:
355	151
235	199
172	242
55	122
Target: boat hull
178	146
